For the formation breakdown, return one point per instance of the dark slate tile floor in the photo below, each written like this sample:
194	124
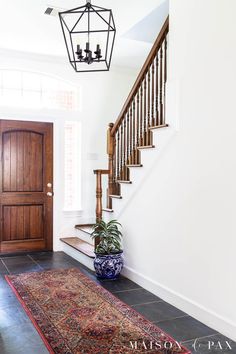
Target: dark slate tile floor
18	335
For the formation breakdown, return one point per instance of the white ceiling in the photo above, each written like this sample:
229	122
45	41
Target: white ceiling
25	28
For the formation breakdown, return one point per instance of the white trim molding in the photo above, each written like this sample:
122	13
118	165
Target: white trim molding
192	308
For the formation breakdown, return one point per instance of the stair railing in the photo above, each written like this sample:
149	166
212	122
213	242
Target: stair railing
143	110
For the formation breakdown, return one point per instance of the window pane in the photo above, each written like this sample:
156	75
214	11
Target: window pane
11	97
33	90
31	99
11	79
49	83
31	81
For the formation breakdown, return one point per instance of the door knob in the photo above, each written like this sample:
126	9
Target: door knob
49	185
49	194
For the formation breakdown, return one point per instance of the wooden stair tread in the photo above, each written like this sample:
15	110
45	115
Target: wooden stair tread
146	147
159	126
122	181
115	196
80	245
137	165
88	228
108	210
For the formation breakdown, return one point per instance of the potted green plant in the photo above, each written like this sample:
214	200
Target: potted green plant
108	262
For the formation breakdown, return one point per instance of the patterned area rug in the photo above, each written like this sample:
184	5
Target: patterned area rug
74	315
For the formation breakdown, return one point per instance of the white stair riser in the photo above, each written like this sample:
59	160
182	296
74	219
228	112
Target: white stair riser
80	257
84	236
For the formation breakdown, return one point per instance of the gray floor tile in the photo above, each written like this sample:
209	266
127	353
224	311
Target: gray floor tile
12	316
49	256
22	339
118	285
3	269
22	268
54	264
16	260
5	290
185	328
7	299
138	296
3	283
159	311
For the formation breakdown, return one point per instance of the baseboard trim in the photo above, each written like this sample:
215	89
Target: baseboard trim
202	314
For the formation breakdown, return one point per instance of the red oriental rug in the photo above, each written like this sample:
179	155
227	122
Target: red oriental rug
74	315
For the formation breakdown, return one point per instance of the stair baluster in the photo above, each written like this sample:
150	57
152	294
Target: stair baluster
149	107
141	115
111	164
134	147
118	154
114	176
131	130
121	151
145	112
138	124
161	86
124	150
157	89
127	141
165	76
153	97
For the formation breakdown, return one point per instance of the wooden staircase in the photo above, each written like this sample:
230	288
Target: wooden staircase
143	112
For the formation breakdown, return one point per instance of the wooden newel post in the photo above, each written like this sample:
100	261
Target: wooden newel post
98	195
98	200
111	177
99	174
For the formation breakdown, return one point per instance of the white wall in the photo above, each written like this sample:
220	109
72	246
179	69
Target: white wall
102	97
180	227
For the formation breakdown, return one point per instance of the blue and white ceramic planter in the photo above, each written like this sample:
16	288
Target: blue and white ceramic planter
108	266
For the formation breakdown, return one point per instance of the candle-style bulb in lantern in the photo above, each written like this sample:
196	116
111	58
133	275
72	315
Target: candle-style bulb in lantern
98	52
79	52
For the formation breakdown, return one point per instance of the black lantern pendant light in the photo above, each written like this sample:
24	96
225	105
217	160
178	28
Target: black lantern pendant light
89	32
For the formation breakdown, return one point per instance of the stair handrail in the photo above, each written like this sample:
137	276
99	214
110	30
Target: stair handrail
146	65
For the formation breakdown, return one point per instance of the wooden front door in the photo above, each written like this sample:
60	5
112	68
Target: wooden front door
26	186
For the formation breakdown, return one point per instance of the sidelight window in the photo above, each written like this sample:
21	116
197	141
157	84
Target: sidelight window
72	200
